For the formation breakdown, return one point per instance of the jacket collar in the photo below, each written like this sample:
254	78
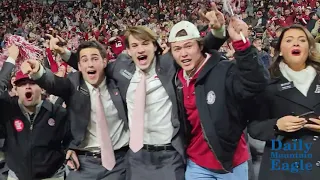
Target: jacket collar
294	95
212	62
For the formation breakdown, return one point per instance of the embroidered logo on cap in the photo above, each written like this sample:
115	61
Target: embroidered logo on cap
18	125
51	122
211	97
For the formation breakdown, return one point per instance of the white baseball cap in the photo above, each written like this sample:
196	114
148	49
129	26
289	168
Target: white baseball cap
191	29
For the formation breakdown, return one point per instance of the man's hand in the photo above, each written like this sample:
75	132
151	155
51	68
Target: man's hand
72	160
54	43
214	18
236	27
13	52
61	71
30	67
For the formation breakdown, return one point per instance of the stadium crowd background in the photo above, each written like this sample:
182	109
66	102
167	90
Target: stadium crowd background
106	22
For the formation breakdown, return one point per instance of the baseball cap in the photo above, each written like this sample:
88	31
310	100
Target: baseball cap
191	30
21	77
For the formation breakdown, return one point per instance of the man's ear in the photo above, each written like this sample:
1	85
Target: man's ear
155	48
201	47
79	66
105	62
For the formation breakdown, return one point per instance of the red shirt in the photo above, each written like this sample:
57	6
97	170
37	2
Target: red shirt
198	150
117	46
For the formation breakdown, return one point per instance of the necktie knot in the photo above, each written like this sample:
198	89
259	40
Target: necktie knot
97	91
143	76
31	116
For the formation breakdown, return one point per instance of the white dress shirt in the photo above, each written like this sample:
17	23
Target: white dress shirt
158	127
118	135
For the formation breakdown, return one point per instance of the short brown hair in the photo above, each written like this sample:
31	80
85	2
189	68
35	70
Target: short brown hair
140	32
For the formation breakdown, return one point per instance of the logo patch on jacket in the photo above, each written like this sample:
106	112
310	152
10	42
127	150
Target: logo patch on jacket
51	122
317	91
18	125
211	97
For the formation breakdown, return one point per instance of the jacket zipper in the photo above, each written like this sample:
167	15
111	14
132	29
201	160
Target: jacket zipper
204	134
31	125
206	138
31	129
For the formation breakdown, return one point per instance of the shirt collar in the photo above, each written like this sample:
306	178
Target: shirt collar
102	86
24	111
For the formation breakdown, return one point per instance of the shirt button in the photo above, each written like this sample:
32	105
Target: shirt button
188	97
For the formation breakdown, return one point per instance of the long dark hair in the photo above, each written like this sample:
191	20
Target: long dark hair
312	60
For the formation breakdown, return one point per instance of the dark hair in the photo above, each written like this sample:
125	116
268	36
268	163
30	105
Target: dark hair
92	44
274	42
312	14
312	60
256	39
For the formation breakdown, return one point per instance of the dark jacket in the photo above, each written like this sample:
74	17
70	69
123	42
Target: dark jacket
222	89
33	152
311	24
274	103
74	91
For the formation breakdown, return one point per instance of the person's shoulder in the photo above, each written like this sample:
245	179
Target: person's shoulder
122	59
55	108
166	60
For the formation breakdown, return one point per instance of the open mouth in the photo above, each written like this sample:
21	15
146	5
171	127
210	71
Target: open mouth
92	73
28	95
186	62
296	52
142	59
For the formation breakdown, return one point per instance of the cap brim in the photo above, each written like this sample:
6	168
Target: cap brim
23	81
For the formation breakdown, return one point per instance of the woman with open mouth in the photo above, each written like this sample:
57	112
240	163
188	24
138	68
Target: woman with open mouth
286	114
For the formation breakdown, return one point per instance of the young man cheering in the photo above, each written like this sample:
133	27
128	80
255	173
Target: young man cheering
212	92
97	114
37	132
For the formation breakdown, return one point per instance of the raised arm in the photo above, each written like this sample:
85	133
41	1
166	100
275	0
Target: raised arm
66	55
44	77
216	22
70	58
8	68
215	39
248	76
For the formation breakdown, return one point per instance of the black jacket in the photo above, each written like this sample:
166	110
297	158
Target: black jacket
278	100
74	91
222	89
38	152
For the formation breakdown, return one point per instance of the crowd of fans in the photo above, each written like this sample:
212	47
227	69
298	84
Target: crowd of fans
106	22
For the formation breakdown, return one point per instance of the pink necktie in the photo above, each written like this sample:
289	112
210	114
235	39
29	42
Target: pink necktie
137	127
107	154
